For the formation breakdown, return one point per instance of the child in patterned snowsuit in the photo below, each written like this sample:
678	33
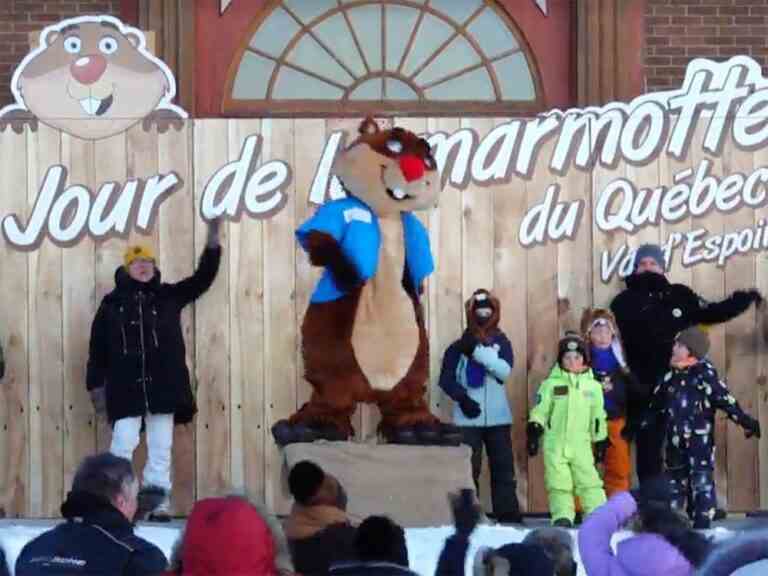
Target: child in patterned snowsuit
688	397
570	417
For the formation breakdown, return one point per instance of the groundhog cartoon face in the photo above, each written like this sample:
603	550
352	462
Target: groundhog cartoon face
92	77
392	170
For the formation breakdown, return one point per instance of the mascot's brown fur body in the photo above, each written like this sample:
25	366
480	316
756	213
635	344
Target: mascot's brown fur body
338	381
370	344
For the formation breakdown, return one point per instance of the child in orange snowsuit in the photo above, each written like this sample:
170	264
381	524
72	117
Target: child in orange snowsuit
606	357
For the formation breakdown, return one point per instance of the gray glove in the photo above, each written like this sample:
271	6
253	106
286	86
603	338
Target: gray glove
99	400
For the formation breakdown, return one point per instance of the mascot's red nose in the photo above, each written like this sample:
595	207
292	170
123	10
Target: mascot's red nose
412	167
88	69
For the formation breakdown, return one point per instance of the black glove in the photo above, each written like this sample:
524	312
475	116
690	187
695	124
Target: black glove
466	511
467	343
534	432
654	491
601	448
751	427
469	407
743	298
99	400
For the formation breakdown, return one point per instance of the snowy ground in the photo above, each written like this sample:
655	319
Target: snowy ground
424	544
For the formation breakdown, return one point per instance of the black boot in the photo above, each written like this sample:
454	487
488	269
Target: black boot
428	434
450	435
153	502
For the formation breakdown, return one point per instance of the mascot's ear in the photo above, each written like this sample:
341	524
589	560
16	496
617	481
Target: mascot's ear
368	126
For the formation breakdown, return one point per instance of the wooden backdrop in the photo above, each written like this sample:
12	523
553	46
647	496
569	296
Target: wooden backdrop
242	337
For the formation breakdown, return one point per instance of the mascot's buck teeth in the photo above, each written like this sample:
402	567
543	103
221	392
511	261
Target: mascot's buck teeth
90	105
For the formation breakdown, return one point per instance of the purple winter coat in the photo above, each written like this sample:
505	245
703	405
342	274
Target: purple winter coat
641	555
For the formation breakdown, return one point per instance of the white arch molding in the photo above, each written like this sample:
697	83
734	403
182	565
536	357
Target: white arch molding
398	54
542	4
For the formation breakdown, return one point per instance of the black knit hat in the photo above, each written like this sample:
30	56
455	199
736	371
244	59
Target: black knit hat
571	342
305	480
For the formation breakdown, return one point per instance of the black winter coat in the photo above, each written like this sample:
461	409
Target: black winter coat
137	347
313	556
95	540
651	312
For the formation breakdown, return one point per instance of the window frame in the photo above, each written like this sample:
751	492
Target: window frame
344	108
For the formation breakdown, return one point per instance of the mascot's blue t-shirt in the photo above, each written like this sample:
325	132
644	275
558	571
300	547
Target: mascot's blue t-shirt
356	228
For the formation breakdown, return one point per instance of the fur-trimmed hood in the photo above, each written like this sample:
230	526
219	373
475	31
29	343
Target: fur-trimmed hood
490	328
593	316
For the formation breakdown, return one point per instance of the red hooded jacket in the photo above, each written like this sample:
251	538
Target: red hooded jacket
227	536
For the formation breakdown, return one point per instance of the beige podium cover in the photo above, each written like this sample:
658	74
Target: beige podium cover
409	484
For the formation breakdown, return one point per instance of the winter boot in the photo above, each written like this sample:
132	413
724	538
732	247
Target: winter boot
154	503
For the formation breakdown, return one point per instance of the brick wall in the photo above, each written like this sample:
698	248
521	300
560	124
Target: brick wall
19	17
676	31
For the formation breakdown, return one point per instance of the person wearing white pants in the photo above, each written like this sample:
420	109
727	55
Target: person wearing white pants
159	430
137	370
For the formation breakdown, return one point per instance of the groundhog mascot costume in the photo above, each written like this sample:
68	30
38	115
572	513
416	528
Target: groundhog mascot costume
363	335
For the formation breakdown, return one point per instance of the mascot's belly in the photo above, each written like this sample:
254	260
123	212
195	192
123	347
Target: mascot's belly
385	336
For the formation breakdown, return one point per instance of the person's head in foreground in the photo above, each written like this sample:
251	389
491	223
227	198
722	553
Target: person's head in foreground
544	552
104	477
226	536
310	485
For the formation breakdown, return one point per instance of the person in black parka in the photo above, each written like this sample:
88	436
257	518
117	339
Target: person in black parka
97	537
650	313
137	371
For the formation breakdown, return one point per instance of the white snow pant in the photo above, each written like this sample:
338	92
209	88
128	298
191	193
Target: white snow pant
159	428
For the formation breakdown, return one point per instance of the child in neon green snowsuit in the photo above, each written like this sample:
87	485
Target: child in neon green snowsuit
569	414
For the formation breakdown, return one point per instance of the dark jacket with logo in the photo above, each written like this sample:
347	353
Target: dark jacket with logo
651	312
95	540
137	347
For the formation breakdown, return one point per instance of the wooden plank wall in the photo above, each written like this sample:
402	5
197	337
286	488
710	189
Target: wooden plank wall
243	337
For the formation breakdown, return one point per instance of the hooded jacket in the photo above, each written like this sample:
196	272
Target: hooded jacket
650	313
227	537
319	536
96	539
618	382
483	375
570	409
686	400
137	347
642	555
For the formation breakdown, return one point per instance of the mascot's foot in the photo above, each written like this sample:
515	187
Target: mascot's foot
424	435
450	435
286	433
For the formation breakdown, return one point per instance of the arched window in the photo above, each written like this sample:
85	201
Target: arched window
432	57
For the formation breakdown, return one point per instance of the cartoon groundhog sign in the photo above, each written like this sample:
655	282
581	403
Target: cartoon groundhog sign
92	77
